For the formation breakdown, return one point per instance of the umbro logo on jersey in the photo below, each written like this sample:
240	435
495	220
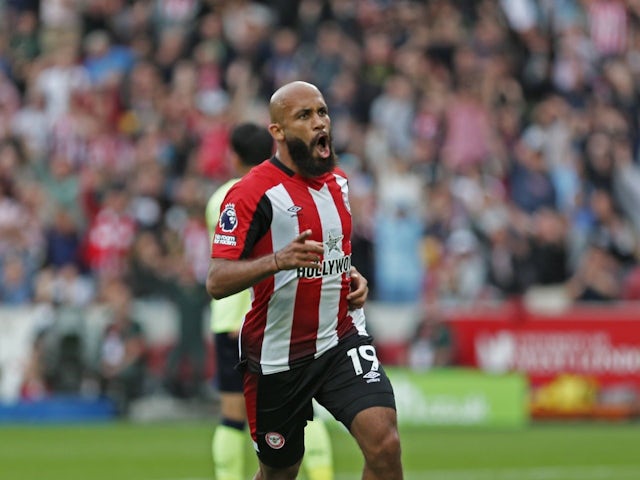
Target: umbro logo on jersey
372	376
294	210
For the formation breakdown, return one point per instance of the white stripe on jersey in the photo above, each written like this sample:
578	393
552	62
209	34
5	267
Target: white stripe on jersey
342	183
330	296
277	334
357	316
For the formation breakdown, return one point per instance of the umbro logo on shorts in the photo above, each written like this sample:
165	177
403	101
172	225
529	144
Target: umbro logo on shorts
372	376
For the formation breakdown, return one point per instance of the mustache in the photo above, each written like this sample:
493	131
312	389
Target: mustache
302	155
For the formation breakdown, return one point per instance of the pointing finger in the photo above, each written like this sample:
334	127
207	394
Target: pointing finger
303	236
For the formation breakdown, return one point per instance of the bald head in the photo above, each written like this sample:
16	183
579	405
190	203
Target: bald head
301	128
282	98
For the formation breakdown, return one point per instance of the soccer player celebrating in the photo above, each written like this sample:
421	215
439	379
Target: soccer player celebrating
285	231
250	145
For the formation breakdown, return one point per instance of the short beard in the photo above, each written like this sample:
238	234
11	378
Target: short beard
309	165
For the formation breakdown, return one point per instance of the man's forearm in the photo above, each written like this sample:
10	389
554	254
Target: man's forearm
227	277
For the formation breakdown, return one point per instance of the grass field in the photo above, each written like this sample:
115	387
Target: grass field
180	451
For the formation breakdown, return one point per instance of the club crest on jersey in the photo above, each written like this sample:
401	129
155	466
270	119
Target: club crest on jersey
275	440
228	218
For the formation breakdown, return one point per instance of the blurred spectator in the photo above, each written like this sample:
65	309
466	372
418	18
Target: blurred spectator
598	277
324	54
213	128
110	235
467	125
599	161
174	14
432	344
530	180
105	63
35	384
611	230
398	233
13	161
16	282
392	112
61	77
63	188
285	64
187	235
148	200
64	286
155	274
122	361
627	186
185	368
148	262
549	249
460	275
171	47
24	44
60	21
63	241
9	94
67	365
31	125
509	268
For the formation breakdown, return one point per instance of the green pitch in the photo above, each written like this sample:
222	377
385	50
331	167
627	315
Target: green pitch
126	451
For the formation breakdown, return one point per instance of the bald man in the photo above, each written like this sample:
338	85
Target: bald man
305	336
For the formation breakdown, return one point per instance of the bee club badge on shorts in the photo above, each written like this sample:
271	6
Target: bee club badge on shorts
275	440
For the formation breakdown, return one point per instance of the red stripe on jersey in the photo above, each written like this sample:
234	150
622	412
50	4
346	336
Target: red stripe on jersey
250	401
307	302
345	323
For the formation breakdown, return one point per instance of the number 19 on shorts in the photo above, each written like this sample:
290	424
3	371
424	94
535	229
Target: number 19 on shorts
367	353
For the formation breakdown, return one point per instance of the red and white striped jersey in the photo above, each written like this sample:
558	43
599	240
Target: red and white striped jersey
296	315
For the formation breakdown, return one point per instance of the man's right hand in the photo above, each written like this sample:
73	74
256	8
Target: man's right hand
300	253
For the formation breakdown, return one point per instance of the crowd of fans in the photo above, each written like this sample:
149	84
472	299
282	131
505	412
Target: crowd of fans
492	145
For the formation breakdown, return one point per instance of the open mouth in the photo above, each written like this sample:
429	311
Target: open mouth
322	145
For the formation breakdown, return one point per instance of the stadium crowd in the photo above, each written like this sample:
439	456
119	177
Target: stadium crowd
492	146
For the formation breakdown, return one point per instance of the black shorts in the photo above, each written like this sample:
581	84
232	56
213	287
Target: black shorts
227	354
344	380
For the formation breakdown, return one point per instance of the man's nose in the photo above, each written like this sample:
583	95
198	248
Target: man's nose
319	122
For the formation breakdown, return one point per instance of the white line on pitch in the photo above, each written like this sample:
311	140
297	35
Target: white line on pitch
596	472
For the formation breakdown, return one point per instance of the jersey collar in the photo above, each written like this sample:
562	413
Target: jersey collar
276	161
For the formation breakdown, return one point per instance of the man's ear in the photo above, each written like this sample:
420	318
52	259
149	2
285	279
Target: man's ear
276	132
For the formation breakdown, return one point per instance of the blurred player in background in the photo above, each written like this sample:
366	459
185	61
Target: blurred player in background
250	145
285	230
